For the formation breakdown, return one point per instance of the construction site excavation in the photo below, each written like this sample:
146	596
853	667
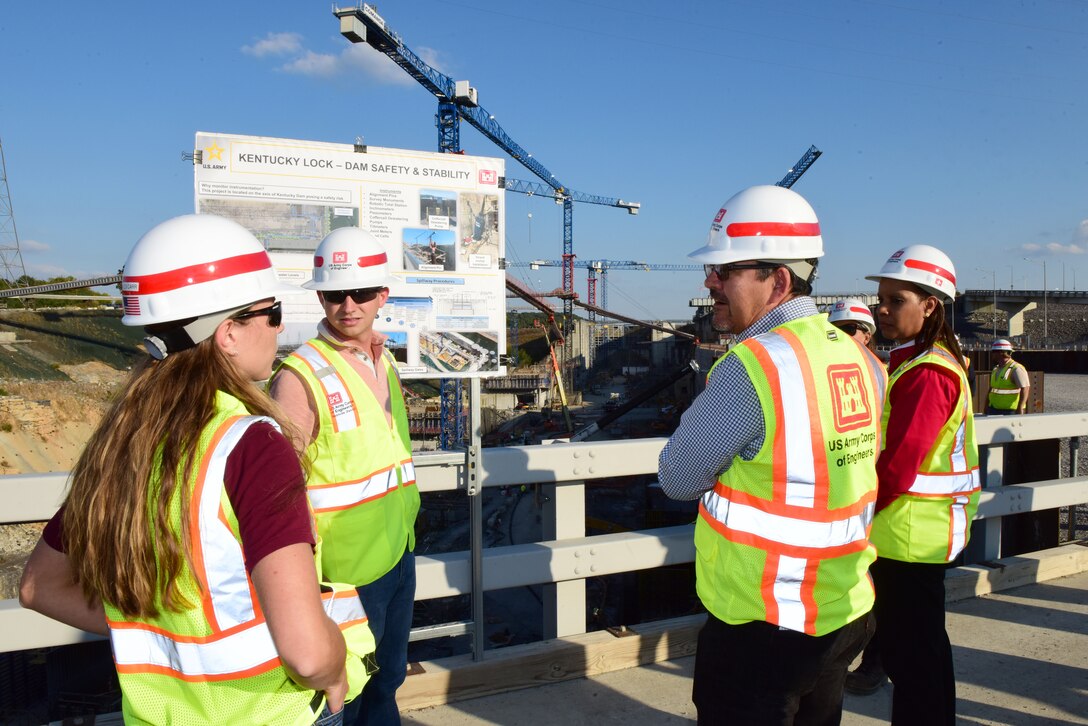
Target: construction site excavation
407	363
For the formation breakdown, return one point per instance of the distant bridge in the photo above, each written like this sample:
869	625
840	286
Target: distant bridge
1012	302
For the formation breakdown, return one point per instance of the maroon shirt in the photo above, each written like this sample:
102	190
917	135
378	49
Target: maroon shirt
265	488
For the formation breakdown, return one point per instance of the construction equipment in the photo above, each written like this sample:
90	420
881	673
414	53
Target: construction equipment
636	401
595	267
557	371
807	159
458	100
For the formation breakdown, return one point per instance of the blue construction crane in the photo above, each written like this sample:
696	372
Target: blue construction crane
458	100
807	159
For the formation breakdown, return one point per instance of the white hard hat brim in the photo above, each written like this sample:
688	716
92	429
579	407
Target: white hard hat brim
939	294
710	255
334	285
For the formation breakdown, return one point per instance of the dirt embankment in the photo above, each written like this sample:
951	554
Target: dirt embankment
43	427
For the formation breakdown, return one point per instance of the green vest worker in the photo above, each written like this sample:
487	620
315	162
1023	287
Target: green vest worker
186	535
928	482
1010	385
342	392
780	449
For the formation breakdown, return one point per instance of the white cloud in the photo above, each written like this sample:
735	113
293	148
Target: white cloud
356	61
32	245
1078	244
1080	234
1060	249
312	64
45	270
275	44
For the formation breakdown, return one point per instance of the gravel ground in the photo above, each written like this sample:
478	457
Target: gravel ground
1064	392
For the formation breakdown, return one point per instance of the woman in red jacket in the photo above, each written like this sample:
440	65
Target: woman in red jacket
927	482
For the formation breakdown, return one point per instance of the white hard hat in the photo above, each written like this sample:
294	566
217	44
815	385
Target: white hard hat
854	311
1002	344
925	266
762	223
349	258
195	265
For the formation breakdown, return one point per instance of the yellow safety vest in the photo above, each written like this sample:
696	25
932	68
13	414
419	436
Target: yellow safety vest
215	662
783	538
362	481
931	522
1004	393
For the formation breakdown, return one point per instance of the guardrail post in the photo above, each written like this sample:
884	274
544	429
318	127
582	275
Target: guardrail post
564	517
1074	455
474	489
992	465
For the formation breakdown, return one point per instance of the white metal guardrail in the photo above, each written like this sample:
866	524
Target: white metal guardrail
568	556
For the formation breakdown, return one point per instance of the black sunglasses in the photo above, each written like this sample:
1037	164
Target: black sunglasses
850	328
273	311
722	271
359	296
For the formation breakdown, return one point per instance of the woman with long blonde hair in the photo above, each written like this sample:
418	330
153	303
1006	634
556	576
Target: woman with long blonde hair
186	534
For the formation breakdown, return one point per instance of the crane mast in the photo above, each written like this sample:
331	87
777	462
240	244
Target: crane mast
458	100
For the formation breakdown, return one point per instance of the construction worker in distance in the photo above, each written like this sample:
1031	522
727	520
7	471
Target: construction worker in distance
928	482
1010	384
186	535
342	391
852	316
779	448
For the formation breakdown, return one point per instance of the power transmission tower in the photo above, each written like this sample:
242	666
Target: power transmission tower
11	257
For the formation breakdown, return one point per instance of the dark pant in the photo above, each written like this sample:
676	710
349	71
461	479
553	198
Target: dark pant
758	674
870	657
388	602
914	645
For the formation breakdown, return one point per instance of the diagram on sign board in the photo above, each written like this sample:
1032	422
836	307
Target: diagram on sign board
440	217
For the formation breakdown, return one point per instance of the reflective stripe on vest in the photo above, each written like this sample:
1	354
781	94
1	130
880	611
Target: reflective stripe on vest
795	529
337	397
365	517
248	651
931	521
1004	392
240	644
800	537
330	497
217	554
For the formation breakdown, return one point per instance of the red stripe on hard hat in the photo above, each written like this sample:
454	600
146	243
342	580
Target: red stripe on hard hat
773	229
372	260
196	274
861	310
930	267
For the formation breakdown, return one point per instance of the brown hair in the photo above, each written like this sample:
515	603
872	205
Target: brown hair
935	329
119	535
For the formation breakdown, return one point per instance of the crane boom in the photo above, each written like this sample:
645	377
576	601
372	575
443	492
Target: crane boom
531	188
807	159
457	100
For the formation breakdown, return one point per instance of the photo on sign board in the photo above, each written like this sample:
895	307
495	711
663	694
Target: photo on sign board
428	250
460	352
479	232
437	209
283	227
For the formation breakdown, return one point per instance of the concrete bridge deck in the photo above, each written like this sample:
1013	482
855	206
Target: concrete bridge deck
1021	659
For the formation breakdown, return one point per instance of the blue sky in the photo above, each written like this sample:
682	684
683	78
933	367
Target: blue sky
958	124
